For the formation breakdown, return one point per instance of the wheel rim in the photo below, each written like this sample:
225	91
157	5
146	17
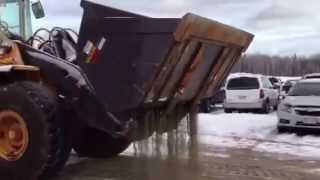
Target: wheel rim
14	135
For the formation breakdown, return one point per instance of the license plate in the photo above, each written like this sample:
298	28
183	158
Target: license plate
242	97
311	120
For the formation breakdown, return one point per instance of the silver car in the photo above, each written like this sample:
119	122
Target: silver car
301	107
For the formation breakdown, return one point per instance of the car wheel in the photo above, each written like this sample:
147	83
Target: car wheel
282	129
227	110
205	106
275	107
266	109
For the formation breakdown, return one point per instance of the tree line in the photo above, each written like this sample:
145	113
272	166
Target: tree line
278	65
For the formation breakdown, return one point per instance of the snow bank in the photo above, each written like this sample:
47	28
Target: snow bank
256	132
237	124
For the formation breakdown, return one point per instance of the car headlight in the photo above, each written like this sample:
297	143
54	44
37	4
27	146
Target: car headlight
286	108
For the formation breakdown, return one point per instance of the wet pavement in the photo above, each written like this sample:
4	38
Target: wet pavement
206	163
178	156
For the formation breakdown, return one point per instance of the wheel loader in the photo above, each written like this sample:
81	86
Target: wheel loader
124	77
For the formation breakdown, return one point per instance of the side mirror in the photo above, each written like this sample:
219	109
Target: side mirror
37	9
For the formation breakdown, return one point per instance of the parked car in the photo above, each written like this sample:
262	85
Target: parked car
207	104
276	83
312	76
288	85
250	92
301	107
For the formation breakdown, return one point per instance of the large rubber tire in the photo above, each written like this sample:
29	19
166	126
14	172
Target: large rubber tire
47	150
98	144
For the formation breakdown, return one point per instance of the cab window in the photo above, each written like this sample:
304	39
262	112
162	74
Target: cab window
9	16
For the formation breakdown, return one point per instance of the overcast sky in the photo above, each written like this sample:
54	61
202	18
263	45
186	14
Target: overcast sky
281	27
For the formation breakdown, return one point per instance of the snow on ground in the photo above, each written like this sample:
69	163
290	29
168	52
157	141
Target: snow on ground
256	132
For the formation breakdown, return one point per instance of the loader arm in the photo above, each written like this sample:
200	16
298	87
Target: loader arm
72	85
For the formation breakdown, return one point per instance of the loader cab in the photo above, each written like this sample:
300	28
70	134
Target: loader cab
15	16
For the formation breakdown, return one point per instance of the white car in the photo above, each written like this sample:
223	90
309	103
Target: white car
301	107
250	92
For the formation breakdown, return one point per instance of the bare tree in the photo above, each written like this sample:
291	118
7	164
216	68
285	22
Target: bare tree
278	65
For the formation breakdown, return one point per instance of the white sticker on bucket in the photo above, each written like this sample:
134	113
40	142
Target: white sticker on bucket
88	47
101	43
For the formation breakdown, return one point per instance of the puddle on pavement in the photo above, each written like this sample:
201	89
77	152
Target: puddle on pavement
171	155
178	143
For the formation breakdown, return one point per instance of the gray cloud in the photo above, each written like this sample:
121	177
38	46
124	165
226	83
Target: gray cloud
275	12
275	16
280	26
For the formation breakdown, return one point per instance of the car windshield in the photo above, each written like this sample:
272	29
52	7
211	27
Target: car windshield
273	80
243	83
305	89
312	77
9	16
290	83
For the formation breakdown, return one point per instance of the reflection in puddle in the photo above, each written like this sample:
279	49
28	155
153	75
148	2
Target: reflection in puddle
134	168
174	144
172	155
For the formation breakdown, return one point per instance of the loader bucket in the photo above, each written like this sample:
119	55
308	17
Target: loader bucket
134	61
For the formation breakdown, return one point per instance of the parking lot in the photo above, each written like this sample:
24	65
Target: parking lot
228	146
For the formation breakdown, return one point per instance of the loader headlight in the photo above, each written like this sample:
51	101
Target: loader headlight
286	108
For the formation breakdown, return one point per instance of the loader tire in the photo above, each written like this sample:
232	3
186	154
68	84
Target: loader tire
46	150
98	144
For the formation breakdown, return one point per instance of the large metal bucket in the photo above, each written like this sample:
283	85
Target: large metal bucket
136	61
